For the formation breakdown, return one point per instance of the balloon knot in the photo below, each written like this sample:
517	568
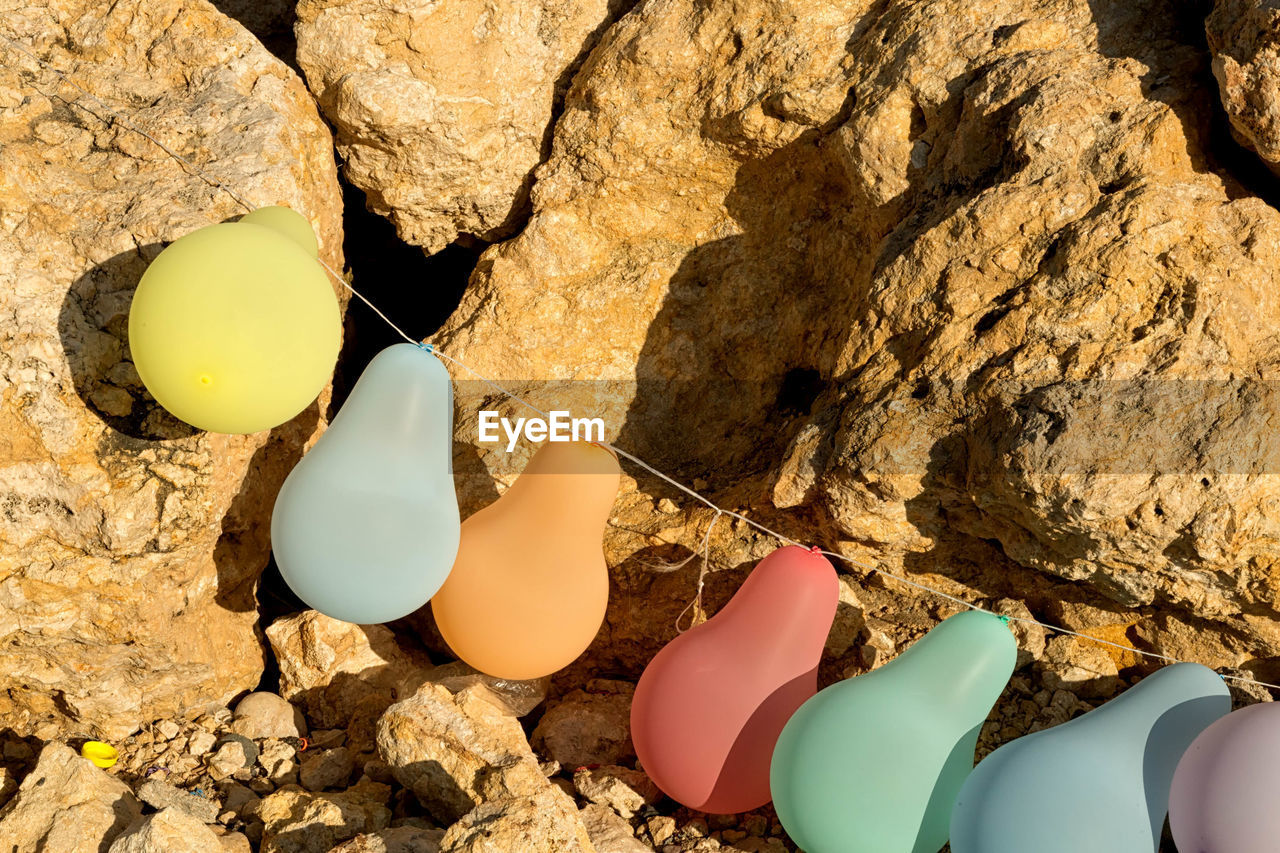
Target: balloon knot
814	549
1004	619
427	347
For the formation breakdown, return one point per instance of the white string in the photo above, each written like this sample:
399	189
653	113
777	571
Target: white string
719	511
705	551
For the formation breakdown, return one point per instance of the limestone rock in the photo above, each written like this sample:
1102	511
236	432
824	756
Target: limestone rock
297	821
400	839
169	831
457	751
516	698
443	110
264	715
1082	667
130	544
591	726
622	789
608	832
66	805
161	795
329	768
1244	36
330	667
961	286
546	822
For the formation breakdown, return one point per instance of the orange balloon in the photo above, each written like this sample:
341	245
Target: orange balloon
711	704
529	588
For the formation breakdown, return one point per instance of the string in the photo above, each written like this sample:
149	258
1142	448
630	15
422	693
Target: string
635	460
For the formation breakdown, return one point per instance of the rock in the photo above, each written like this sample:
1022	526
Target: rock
1081	667
590	726
610	833
435	122
546	822
1244	37
1030	289
516	698
330	667
105	495
237	799
161	795
171	830
235	842
8	785
400	839
230	758
168	729
280	760
624	790
66	805
297	821
1031	637
330	768
264	715
457	751
201	742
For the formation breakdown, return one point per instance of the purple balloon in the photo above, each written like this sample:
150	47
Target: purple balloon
1223	798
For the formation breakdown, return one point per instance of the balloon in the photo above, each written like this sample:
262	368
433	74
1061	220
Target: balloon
529	588
872	764
1224	789
365	527
1098	783
235	328
710	704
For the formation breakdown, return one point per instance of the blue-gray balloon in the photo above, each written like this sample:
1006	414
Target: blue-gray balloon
1098	783
366	527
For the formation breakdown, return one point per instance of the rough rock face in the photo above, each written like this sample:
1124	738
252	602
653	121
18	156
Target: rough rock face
167	831
1244	36
546	822
66	805
443	109
956	287
300	822
456	752
334	669
130	544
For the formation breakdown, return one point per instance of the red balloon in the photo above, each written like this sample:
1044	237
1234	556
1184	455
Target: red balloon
710	706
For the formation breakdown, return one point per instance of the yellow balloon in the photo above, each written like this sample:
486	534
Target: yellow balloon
235	328
529	587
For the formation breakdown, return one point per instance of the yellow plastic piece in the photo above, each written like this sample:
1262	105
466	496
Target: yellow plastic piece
530	585
235	328
102	754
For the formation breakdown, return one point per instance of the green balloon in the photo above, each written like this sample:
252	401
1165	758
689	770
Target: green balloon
873	764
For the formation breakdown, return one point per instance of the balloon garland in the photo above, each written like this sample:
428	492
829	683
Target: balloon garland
919	714
365	527
1102	782
528	591
710	705
234	328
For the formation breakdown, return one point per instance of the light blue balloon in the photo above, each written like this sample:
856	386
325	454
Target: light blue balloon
1099	783
366	527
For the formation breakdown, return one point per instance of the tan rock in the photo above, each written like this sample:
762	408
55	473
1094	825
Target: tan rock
608	832
297	821
587	727
330	667
622	789
329	768
168	831
985	293
262	715
400	839
443	111
457	751
66	805
1244	36
546	822
130	544
1082	667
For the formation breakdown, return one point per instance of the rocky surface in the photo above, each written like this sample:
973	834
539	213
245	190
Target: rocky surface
938	284
66	805
1244	37
443	110
168	831
129	544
